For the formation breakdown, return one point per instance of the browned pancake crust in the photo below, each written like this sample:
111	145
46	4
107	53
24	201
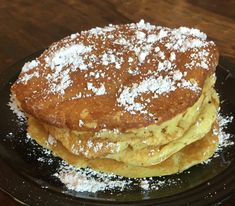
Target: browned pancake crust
60	107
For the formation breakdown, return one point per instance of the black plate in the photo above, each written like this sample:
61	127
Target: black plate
31	181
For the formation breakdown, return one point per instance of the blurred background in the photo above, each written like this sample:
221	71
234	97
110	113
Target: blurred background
27	26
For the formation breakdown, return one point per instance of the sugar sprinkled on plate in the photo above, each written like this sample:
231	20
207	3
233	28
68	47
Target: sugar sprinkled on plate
15	109
225	139
88	180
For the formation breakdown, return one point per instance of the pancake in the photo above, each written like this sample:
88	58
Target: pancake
190	155
154	154
135	96
130	151
134	138
69	84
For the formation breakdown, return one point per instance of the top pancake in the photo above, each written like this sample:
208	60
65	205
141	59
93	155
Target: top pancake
120	76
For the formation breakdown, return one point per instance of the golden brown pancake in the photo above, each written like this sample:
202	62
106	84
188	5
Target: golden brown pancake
131	150
132	95
190	155
87	65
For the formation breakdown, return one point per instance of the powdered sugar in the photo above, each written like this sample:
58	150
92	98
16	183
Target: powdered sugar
140	35
143	25
89	147
189	85
30	65
165	65
98	91
51	140
71	56
99	55
88	180
144	184
15	109
225	139
26	77
157	85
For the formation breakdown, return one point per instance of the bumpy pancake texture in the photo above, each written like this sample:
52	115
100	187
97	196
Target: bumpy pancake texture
136	100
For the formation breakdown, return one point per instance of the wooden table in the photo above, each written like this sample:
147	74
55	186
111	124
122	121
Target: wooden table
27	26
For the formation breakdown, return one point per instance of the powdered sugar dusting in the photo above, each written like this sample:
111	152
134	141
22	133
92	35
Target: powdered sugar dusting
88	180
51	140
98	91
144	184
26	77
157	85
30	65
91	54
63	63
71	55
15	109
225	139
90	147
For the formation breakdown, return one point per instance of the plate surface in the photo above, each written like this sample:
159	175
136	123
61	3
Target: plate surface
32	182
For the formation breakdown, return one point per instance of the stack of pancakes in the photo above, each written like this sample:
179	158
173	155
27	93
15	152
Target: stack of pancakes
135	100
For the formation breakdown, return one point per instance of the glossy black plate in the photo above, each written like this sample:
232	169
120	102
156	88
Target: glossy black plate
31	181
